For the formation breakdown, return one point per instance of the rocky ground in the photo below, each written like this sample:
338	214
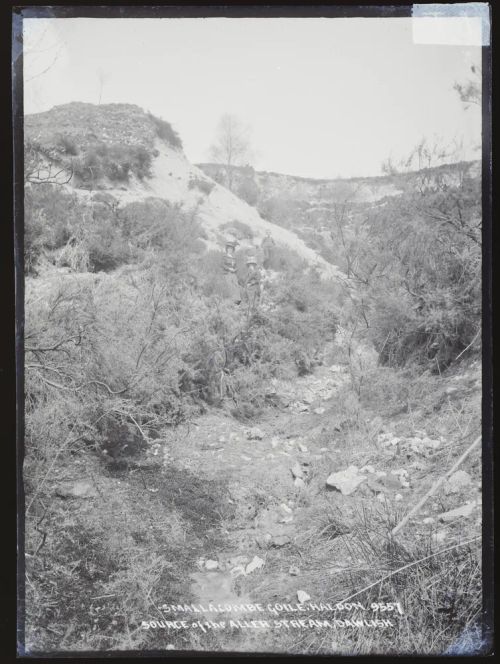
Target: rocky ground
305	517
292	509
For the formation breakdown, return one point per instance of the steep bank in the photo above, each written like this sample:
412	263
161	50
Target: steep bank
120	150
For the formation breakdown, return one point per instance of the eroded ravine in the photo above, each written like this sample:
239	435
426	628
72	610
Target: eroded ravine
265	468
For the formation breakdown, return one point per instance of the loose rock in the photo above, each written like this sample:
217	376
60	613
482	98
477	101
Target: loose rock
77	490
460	512
254	434
440	536
303	596
211	564
297	471
457	482
286	519
300	407
400	471
388	440
280	540
255	563
424	446
346	481
239	570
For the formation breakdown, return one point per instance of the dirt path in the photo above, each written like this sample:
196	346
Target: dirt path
281	532
269	470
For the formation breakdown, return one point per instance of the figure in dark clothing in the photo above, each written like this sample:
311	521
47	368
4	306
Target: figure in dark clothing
253	283
229	267
267	248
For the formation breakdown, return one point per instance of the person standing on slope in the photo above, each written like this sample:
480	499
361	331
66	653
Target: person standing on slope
267	248
253	283
232	288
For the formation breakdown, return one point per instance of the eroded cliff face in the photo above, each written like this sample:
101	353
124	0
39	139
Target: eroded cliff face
323	191
312	209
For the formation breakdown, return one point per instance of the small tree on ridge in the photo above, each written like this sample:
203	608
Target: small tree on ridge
231	146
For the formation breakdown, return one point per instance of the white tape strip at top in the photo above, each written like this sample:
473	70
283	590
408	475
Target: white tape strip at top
456	24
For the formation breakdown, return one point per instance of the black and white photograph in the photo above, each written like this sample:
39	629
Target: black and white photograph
251	272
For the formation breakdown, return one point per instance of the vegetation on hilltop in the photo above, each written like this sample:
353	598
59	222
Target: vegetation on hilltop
93	143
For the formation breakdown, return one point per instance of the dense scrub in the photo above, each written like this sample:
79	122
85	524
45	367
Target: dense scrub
136	323
414	259
128	333
417	262
174	332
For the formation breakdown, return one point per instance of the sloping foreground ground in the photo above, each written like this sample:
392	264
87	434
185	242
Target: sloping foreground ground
220	513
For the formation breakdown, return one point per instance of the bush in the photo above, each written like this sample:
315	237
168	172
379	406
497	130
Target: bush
67	145
249	191
165	132
234	353
155	224
116	162
281	210
283	259
71	232
51	218
205	186
416	261
106	248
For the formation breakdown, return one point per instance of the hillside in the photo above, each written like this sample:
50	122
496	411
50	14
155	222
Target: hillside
362	189
120	150
311	207
196	448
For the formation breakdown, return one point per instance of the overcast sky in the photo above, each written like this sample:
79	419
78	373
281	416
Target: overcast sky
324	97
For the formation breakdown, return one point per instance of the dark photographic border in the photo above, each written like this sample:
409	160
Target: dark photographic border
234	10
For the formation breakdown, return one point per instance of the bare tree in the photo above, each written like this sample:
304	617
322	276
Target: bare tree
442	195
40	171
231	146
